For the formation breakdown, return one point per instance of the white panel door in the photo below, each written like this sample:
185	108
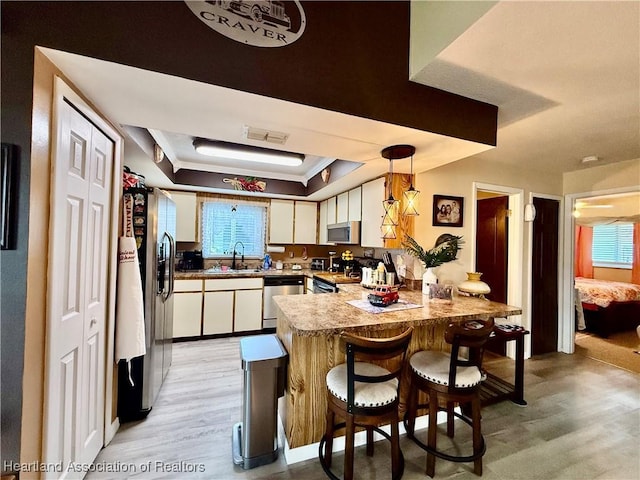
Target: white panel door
372	213
187	314
79	246
322	224
306	222
355	204
331	210
218	313
342	207
247	310
281	221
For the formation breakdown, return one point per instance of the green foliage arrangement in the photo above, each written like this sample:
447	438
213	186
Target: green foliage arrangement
445	250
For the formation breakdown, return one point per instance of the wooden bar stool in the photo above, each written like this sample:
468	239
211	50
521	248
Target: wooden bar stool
365	394
450	379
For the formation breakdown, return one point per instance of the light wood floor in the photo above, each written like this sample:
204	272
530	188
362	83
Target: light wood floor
582	422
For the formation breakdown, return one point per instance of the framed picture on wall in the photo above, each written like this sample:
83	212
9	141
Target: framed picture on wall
7	196
447	211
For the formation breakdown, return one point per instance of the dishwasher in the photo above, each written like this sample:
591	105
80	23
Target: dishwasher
278	285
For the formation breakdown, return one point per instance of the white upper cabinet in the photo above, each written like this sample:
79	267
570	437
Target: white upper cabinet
373	193
355	204
322	224
186	210
281	221
331	211
306	222
342	208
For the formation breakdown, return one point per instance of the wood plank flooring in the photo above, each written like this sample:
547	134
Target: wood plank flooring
582	422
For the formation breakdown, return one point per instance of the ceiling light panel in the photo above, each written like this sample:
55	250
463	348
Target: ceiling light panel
247	153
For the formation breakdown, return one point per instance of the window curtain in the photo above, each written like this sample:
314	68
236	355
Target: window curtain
635	269
583	263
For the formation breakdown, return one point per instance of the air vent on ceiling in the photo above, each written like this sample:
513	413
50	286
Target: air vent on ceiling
252	133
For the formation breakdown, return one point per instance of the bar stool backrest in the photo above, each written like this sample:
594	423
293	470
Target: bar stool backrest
376	349
472	334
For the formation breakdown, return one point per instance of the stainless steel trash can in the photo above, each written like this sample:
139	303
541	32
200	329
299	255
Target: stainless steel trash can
255	439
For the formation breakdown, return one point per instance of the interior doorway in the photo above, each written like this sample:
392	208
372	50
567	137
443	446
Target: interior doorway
507	223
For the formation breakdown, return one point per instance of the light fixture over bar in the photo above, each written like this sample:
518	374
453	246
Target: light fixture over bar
215	148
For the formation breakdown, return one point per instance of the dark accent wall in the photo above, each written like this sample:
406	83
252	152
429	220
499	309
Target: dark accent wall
353	58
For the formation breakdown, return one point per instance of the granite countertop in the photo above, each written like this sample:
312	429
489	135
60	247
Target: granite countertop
241	273
330	314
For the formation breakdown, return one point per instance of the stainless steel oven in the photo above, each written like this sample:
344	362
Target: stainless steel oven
322	286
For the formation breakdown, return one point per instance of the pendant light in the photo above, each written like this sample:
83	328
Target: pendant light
411	196
390	204
391	208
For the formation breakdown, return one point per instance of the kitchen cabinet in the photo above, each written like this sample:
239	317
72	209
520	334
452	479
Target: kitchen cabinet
308	283
355	204
232	305
187	308
331	210
305	222
373	194
281	221
322	223
218	313
342	207
186	212
247	310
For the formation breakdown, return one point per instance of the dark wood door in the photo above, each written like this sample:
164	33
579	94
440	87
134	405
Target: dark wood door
492	245
544	277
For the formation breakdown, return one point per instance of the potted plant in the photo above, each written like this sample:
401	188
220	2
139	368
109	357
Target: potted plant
445	250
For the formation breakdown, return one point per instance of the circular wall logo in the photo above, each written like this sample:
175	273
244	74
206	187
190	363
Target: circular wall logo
262	23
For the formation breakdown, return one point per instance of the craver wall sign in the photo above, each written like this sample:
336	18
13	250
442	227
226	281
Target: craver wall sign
262	23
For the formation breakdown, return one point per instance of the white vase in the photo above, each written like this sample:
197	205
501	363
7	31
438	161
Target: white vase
428	277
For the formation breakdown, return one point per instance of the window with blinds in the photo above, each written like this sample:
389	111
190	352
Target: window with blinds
224	224
613	245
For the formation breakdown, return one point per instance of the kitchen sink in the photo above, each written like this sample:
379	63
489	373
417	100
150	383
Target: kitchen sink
235	271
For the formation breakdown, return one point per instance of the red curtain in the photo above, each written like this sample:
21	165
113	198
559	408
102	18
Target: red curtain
635	269
583	262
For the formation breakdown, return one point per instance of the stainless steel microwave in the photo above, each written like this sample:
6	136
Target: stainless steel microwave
346	232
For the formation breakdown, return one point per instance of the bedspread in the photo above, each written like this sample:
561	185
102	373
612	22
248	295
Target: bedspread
603	292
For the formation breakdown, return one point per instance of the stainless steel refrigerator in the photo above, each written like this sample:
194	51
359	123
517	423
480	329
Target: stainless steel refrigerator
152	214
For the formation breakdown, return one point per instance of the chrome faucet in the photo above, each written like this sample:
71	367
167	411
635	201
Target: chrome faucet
233	260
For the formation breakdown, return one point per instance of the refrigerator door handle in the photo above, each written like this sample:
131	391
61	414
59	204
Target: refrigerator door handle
172	262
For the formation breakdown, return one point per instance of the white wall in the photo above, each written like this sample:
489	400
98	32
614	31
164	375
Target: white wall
458	179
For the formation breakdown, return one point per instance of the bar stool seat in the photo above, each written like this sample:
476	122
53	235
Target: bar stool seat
434	367
365	394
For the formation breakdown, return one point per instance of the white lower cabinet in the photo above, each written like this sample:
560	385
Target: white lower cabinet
187	308
218	313
225	306
187	311
232	305
248	310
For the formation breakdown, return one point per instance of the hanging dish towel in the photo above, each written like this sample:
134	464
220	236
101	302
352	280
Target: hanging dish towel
130	334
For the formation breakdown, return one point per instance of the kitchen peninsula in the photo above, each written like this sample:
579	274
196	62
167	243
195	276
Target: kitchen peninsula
309	327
